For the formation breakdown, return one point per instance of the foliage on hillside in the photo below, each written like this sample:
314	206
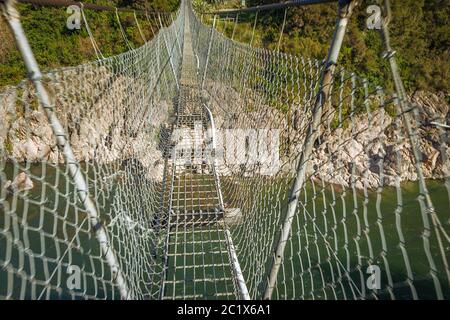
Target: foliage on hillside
420	32
54	45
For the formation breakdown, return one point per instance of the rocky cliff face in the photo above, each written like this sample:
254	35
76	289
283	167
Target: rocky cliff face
379	152
105	123
366	152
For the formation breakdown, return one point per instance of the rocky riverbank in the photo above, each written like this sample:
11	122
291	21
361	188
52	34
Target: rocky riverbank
105	123
365	152
379	152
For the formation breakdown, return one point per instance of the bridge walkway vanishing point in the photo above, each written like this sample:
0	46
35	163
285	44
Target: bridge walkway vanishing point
198	246
91	176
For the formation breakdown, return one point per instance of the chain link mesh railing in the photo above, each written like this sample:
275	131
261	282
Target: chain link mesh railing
115	113
364	227
372	220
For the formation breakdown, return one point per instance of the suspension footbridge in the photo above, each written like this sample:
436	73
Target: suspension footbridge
197	167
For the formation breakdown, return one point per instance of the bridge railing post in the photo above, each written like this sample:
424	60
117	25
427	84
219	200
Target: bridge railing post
13	20
345	9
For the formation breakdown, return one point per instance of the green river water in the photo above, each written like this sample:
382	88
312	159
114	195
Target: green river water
50	212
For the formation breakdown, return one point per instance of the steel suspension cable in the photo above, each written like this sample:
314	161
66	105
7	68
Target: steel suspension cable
254	27
139	27
282	30
97	50
122	31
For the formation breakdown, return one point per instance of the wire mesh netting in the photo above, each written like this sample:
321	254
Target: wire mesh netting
190	145
197	257
366	226
115	113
